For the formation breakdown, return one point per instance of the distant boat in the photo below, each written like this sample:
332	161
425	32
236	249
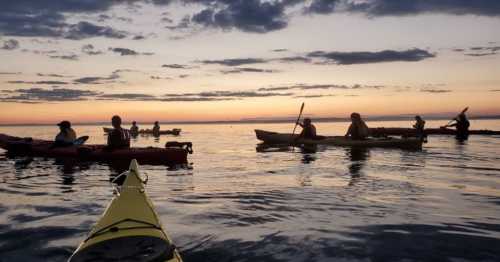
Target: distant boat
398	131
175	131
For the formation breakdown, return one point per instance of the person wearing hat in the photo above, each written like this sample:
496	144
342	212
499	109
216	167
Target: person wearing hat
308	129
358	130
118	137
66	135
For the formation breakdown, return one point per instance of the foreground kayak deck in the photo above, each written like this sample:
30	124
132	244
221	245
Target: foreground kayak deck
17	146
281	138
129	229
398	131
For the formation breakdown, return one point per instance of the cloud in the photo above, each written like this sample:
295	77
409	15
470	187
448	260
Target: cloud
159	78
350	58
72	57
51	75
84	30
248	70
375	8
279	50
254	16
429	90
294	59
495	90
10	44
127	97
47	95
89	49
313	96
235	62
319	87
38	82
176	66
95	80
127	52
10	73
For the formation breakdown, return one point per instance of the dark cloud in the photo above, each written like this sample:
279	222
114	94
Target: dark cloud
294	59
374	8
159	78
319	87
248	70
175	66
96	79
480	54
47	95
38	82
138	37
51	75
279	50
10	73
236	94
235	61
428	90
483	51
127	52
84	30
127	97
313	96
10	44
495	90
72	57
349	58
183	76
89	49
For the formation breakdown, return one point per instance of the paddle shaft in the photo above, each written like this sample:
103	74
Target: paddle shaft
298	118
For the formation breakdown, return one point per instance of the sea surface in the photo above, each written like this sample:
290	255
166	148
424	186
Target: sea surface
237	203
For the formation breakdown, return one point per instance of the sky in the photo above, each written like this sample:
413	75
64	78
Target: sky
204	60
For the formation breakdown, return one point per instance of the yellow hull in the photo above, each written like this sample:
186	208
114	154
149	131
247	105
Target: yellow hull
129	229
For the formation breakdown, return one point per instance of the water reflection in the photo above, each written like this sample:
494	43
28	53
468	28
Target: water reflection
357	157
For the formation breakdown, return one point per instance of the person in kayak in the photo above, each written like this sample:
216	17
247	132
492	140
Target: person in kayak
358	130
308	129
156	129
118	137
462	125
134	129
419	126
66	135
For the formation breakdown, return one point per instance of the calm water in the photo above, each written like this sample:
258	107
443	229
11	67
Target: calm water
237	204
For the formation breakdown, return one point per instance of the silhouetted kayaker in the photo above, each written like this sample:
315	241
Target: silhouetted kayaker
462	126
66	135
134	129
358	129
118	137
156	129
419	126
308	129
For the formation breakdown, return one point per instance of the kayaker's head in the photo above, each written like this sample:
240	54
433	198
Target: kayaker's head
355	117
418	118
156	123
307	121
462	117
64	125
116	121
134	123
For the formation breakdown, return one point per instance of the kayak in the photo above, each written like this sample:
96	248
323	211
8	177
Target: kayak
280	138
129	229
17	146
397	131
175	131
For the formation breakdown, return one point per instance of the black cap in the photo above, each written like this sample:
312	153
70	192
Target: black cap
65	124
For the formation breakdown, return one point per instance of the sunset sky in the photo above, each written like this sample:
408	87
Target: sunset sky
174	60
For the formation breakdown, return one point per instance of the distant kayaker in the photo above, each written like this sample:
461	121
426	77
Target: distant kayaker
156	129
134	129
419	126
462	125
308	129
358	130
118	137
66	135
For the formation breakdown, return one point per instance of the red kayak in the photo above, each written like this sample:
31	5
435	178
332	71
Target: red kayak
144	155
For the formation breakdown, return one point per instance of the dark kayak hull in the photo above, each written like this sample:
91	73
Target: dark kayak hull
397	131
174	132
280	138
41	148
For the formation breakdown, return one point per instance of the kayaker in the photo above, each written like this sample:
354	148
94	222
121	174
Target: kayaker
156	129
118	137
462	125
419	126
134	129
66	135
308	129
358	130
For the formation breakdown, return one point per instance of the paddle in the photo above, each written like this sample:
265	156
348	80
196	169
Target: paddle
454	119
298	118
80	141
